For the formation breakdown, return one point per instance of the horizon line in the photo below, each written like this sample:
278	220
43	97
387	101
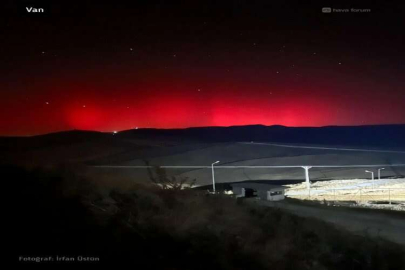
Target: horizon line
185	128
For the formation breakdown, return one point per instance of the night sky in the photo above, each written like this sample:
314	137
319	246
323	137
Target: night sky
170	64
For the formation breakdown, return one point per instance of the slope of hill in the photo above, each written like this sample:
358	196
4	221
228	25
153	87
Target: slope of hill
391	136
201	146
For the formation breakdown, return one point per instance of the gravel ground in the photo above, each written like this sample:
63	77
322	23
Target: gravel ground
376	224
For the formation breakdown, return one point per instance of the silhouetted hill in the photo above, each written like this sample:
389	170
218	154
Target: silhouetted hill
52	139
69	146
391	136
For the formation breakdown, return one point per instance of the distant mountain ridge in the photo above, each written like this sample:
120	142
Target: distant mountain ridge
392	136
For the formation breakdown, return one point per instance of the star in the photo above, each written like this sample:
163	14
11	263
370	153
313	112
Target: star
84	106
47	103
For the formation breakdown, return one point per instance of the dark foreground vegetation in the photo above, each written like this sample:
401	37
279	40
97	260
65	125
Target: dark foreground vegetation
57	213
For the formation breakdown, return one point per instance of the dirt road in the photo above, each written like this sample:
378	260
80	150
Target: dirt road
390	227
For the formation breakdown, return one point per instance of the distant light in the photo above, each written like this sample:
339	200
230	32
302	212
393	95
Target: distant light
136	128
47	103
115	132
